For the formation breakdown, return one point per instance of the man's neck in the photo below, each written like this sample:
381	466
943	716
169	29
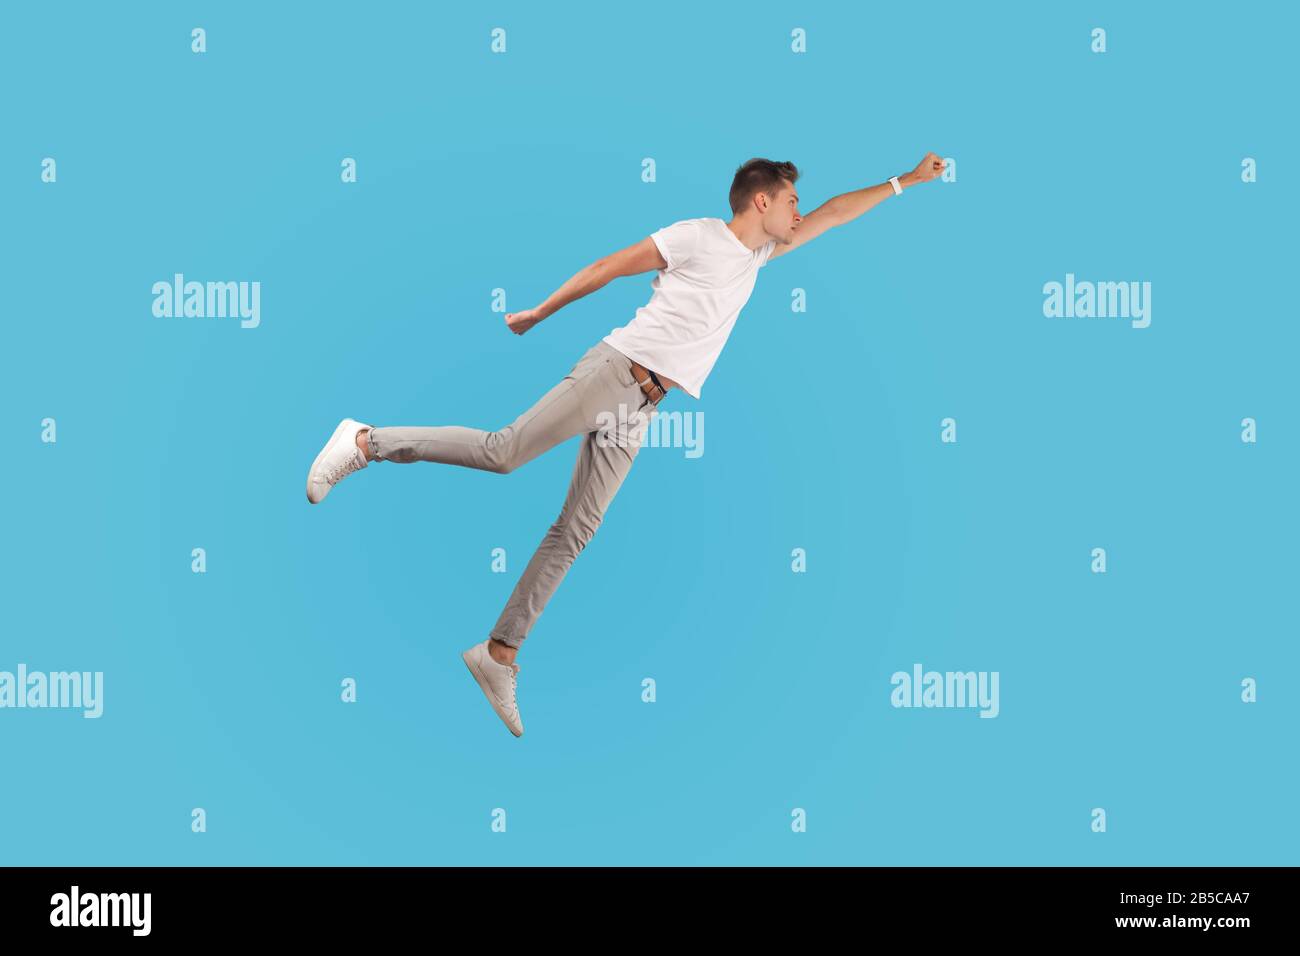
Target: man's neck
750	233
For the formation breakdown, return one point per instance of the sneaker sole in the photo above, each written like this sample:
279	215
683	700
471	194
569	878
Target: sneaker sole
487	690
325	451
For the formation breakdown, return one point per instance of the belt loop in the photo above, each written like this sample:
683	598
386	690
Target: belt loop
653	379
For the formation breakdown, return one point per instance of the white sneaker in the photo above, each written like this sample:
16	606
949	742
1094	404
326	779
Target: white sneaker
498	683
339	458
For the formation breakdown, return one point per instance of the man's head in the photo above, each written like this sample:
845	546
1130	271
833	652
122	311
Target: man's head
763	191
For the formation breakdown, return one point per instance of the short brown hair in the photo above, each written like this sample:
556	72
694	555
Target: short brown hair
759	176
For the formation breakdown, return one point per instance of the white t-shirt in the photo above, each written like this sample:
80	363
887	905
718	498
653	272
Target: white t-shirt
680	332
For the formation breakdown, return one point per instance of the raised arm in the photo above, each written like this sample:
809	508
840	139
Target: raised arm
840	209
639	257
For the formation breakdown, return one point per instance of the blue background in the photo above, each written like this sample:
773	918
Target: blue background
479	171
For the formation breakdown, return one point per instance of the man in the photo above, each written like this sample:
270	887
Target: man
706	272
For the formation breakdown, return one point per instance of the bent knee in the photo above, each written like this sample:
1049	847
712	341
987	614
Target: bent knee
501	450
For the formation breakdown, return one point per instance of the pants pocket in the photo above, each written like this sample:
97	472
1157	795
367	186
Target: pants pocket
623	370
592	360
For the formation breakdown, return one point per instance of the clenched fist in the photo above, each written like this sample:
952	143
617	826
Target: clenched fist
927	169
521	322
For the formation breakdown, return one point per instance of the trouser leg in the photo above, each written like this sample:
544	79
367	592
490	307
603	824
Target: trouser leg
597	476
600	391
566	410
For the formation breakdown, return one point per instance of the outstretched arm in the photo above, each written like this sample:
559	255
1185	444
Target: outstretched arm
639	257
845	207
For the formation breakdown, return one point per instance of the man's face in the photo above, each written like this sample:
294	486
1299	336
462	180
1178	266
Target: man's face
782	216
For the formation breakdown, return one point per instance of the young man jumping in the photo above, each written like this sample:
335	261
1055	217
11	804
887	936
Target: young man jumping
707	269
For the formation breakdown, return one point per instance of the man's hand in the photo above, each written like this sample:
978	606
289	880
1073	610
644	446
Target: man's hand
927	169
639	257
521	322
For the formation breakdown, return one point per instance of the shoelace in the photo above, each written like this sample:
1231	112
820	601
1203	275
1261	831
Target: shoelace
342	470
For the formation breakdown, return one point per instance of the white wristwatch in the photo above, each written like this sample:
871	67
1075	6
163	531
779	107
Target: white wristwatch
898	189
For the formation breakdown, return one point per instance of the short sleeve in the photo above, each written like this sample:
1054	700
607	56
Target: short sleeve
765	252
677	242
